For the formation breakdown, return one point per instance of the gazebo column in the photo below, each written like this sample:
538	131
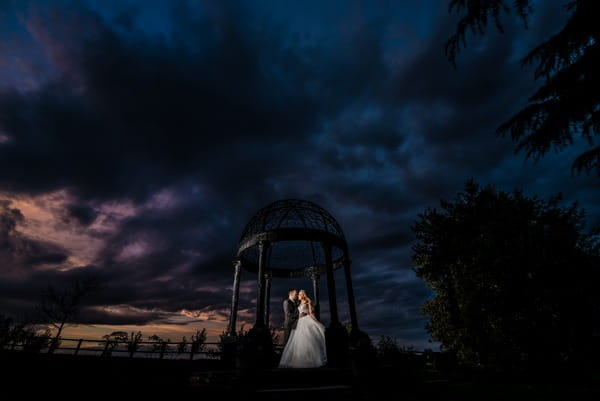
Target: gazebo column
263	247
234	297
350	291
314	276
268	277
333	311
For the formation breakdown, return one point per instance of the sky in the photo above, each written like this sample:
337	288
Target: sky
137	139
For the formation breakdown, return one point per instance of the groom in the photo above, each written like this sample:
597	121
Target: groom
290	310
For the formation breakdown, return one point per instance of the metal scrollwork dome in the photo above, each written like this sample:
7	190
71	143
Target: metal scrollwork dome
296	231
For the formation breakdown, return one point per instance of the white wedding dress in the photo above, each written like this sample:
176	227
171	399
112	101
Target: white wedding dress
306	346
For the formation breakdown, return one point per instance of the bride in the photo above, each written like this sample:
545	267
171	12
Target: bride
306	345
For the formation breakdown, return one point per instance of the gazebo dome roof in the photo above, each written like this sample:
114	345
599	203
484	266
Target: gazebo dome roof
296	230
292	213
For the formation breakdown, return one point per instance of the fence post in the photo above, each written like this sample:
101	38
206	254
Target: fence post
53	345
192	352
78	346
105	348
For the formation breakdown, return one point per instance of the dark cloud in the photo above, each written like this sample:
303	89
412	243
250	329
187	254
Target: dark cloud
389	239
9	218
83	214
18	253
134	114
122	315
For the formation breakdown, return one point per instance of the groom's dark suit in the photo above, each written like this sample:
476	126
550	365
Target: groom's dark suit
290	310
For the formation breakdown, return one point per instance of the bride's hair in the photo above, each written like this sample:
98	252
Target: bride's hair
305	296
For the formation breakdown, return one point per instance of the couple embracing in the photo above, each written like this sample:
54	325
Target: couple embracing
304	335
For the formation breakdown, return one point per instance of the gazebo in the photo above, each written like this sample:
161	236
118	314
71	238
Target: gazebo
293	238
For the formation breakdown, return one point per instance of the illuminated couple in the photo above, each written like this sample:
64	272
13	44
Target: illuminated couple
304	335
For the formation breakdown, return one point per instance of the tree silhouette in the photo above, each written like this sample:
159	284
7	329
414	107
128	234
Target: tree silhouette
22	335
198	342
9	331
133	343
182	345
59	308
159	345
387	349
568	103
513	278
112	340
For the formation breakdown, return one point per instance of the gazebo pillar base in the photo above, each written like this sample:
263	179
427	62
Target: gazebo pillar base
362	353
336	338
255	349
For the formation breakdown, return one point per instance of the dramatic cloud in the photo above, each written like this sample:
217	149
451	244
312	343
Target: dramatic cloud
136	142
20	254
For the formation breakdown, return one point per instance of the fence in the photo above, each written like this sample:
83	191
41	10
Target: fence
144	349
147	349
137	349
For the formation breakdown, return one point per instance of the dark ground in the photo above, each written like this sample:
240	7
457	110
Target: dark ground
64	377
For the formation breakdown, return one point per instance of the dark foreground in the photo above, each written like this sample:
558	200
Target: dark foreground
80	377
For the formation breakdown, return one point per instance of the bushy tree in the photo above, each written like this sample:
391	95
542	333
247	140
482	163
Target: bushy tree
133	343
22	336
513	277
199	341
112	340
159	344
387	348
182	345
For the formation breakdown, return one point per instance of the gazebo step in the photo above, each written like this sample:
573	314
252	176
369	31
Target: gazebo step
329	392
